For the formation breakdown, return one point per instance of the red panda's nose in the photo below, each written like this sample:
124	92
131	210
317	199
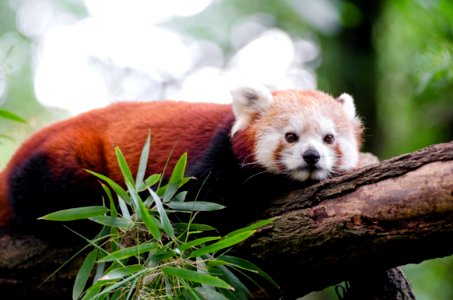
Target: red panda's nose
311	156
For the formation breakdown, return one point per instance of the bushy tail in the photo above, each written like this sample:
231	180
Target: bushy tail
5	211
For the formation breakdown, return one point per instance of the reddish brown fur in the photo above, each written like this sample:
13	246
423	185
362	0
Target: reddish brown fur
92	136
88	140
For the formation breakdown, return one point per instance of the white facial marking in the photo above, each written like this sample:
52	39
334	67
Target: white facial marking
299	137
311	130
266	145
348	146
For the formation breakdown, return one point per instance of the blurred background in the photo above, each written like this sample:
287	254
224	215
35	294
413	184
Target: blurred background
62	57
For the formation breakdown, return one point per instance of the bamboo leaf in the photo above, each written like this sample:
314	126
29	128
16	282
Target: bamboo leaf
94	290
197	242
254	226
5	114
178	171
193	227
130	251
113	221
222	244
113	211
189	292
84	274
180	197
166	225
208	293
194	276
143	164
122	272
246	265
115	186
194	206
124	166
241	291
170	191
144	214
149	182
75	213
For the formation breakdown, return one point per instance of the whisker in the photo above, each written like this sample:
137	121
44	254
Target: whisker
244	163
253	163
254	175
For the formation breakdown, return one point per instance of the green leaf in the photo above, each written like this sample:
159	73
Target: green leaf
180	197
143	164
149	182
193	227
115	186
197	242
113	221
170	191
178	171
241	291
100	268
144	214
113	211
222	244
124	210
123	166
166	225
122	272
94	290
122	283
246	265
254	226
75	213
5	114
177	179
130	251
194	206
212	294
194	276
84	274
190	293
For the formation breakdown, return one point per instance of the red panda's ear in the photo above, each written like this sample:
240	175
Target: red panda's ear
248	101
348	105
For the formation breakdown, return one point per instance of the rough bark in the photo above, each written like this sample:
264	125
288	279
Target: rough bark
352	227
384	215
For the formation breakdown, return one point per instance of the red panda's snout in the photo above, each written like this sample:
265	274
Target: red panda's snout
300	134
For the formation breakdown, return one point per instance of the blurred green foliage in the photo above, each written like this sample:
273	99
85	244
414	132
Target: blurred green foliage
414	40
394	57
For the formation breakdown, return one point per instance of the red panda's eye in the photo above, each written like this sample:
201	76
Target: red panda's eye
291	137
329	138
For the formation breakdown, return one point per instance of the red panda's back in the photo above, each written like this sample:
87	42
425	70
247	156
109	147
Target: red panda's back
87	141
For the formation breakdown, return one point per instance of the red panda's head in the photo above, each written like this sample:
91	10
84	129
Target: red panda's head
300	134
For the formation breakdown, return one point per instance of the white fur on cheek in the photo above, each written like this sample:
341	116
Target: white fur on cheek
265	148
350	157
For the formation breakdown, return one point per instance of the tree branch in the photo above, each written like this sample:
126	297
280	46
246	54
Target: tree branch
378	217
384	215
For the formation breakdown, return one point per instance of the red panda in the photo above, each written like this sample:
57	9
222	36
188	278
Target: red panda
245	149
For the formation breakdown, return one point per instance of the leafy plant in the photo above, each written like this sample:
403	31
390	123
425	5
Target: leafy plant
141	254
5	114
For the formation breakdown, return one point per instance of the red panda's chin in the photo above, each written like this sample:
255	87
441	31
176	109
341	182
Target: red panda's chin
303	174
